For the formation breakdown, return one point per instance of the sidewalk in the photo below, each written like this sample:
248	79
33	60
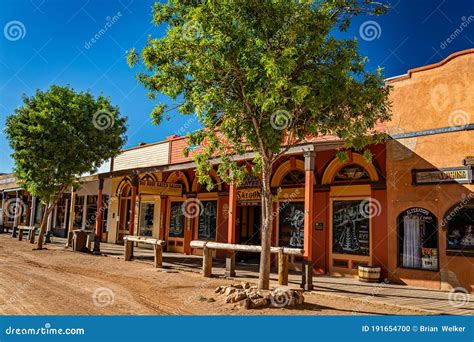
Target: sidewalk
427	300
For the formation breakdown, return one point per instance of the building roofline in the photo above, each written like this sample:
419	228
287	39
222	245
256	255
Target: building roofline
410	72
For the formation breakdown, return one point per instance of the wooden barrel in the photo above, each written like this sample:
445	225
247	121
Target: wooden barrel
369	274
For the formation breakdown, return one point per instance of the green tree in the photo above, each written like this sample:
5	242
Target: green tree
266	74
59	135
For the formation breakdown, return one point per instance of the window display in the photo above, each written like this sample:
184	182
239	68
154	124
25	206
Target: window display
291	225
460	227
207	221
418	239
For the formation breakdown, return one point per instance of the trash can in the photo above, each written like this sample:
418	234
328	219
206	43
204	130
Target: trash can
79	241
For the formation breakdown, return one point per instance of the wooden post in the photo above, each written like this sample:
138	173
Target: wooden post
207	262
72	213
231	229
31	235
158	249
20	234
230	264
133	199
128	250
309	157
98	218
282	268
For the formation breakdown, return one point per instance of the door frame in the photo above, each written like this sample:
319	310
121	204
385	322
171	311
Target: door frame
348	193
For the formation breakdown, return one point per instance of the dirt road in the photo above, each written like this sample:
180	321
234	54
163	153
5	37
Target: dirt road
57	281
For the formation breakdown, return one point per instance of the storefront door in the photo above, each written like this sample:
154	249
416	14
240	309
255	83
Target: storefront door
176	226
349	235
249	229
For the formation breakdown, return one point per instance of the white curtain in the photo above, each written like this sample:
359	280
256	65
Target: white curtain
411	242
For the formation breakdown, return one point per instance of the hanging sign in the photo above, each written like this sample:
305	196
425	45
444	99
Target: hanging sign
161	188
446	175
248	195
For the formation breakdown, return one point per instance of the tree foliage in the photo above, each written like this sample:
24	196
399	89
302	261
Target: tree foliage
59	135
262	76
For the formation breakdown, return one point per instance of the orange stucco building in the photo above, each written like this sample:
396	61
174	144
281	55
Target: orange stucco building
430	188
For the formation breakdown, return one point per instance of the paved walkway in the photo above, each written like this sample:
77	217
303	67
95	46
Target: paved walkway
430	301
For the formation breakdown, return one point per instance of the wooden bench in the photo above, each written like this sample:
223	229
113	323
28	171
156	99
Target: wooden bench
157	248
31	233
207	247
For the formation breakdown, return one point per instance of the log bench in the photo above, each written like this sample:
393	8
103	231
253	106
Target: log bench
157	248
208	246
31	233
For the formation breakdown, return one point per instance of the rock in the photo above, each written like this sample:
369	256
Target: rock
253	295
219	289
264	294
245	303
245	285
258	303
236	297
229	290
237	286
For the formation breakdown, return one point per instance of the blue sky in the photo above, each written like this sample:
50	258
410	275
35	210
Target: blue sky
51	49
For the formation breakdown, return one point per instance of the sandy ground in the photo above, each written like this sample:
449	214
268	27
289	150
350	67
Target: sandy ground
57	281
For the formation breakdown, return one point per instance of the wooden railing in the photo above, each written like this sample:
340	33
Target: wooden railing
157	248
208	247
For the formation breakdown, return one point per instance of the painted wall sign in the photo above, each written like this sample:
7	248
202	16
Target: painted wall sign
244	195
161	188
445	175
350	228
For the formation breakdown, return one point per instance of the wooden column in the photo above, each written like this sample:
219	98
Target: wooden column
15	218
162	232
231	230
133	200
308	220
98	218
128	250
71	218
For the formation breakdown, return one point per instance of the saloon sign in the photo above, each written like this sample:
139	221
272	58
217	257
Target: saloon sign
161	188
447	175
248	195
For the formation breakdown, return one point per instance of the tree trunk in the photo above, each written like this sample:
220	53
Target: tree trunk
267	227
44	223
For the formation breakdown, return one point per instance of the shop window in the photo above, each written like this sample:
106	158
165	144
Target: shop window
418	239
78	212
91	212
61	213
350	228
38	211
460	227
146	219
291	225
207	221
176	220
295	177
351	172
